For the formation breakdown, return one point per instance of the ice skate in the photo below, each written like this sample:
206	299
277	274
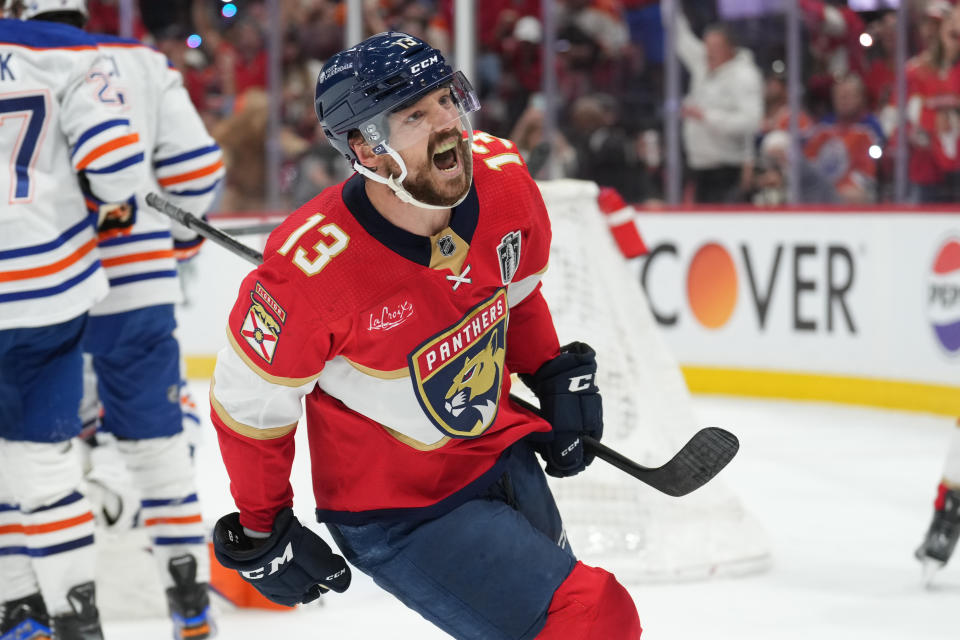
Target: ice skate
937	547
24	619
188	601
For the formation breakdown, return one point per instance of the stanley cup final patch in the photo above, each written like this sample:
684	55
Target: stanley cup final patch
509	253
261	326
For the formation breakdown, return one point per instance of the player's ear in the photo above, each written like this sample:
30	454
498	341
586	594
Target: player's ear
364	153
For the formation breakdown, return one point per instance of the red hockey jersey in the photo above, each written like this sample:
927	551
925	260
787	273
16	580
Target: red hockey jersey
402	345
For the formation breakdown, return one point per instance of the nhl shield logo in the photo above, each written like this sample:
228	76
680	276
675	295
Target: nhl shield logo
509	252
458	373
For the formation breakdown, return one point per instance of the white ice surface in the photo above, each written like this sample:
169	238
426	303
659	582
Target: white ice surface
844	493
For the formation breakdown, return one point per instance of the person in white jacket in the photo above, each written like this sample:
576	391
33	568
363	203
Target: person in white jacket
721	113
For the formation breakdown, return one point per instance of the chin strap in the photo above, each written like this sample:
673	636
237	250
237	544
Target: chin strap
396	183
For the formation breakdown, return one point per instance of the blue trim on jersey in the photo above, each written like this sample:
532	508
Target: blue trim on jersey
63	547
13	551
48	246
167	542
43	35
98	128
106	38
51	291
137	277
117	166
135	237
13	507
70	499
197	192
186	155
190	416
165	502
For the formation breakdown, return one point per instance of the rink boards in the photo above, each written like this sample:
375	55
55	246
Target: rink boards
858	306
851	306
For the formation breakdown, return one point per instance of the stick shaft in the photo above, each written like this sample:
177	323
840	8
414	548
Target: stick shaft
204	228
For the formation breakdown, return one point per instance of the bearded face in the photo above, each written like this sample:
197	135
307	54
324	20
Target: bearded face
440	171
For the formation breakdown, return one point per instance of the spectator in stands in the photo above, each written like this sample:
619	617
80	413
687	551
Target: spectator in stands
321	31
604	152
776	110
774	173
527	134
241	60
880	76
845	145
833	47
933	86
722	111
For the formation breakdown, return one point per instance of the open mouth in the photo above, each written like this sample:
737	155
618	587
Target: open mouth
445	157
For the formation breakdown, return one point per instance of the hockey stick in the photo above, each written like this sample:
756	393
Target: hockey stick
697	462
251	229
204	228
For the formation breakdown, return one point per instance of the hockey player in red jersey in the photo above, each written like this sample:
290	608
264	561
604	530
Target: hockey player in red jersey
944	531
397	304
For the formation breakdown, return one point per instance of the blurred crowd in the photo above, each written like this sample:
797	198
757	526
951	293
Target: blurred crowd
610	71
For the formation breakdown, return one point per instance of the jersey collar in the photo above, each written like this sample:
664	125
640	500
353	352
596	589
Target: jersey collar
463	220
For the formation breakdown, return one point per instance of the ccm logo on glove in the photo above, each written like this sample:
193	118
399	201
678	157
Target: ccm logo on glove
580	383
292	565
256	574
570	401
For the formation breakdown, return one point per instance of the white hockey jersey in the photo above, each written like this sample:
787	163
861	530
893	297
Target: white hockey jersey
185	166
56	119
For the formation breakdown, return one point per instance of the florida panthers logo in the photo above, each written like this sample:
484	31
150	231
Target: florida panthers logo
458	374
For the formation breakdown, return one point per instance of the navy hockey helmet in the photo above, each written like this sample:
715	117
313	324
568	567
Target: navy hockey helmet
359	88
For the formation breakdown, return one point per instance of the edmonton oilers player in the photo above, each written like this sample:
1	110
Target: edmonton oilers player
384	302
56	125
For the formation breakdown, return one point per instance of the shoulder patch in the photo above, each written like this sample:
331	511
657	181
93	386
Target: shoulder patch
262	324
508	253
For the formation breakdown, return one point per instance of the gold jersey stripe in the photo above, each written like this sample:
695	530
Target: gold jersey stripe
414	443
286	382
396	374
269	433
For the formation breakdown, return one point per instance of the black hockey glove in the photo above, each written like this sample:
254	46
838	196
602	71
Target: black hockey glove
570	402
293	565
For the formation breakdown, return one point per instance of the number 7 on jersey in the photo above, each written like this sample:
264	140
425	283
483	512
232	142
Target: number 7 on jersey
32	107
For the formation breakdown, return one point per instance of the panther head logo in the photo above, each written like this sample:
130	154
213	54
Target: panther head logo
476	378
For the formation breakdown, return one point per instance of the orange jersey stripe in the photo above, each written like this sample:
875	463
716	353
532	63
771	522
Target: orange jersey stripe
59	265
79	47
11	528
192	175
106	148
179	520
138	257
60	525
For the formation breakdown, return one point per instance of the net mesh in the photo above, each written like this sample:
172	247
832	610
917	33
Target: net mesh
612	519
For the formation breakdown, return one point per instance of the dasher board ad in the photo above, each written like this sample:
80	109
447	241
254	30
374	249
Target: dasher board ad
870	295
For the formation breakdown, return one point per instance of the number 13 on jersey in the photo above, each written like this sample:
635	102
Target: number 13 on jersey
325	252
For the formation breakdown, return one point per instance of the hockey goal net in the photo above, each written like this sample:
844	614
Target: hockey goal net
612	519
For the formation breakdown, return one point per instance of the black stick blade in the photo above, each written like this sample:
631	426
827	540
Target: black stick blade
702	458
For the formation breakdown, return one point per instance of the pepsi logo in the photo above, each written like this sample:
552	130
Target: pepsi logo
943	296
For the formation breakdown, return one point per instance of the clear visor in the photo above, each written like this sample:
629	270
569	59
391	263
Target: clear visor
426	120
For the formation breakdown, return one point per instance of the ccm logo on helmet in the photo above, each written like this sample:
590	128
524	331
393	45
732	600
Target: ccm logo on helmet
256	574
420	66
